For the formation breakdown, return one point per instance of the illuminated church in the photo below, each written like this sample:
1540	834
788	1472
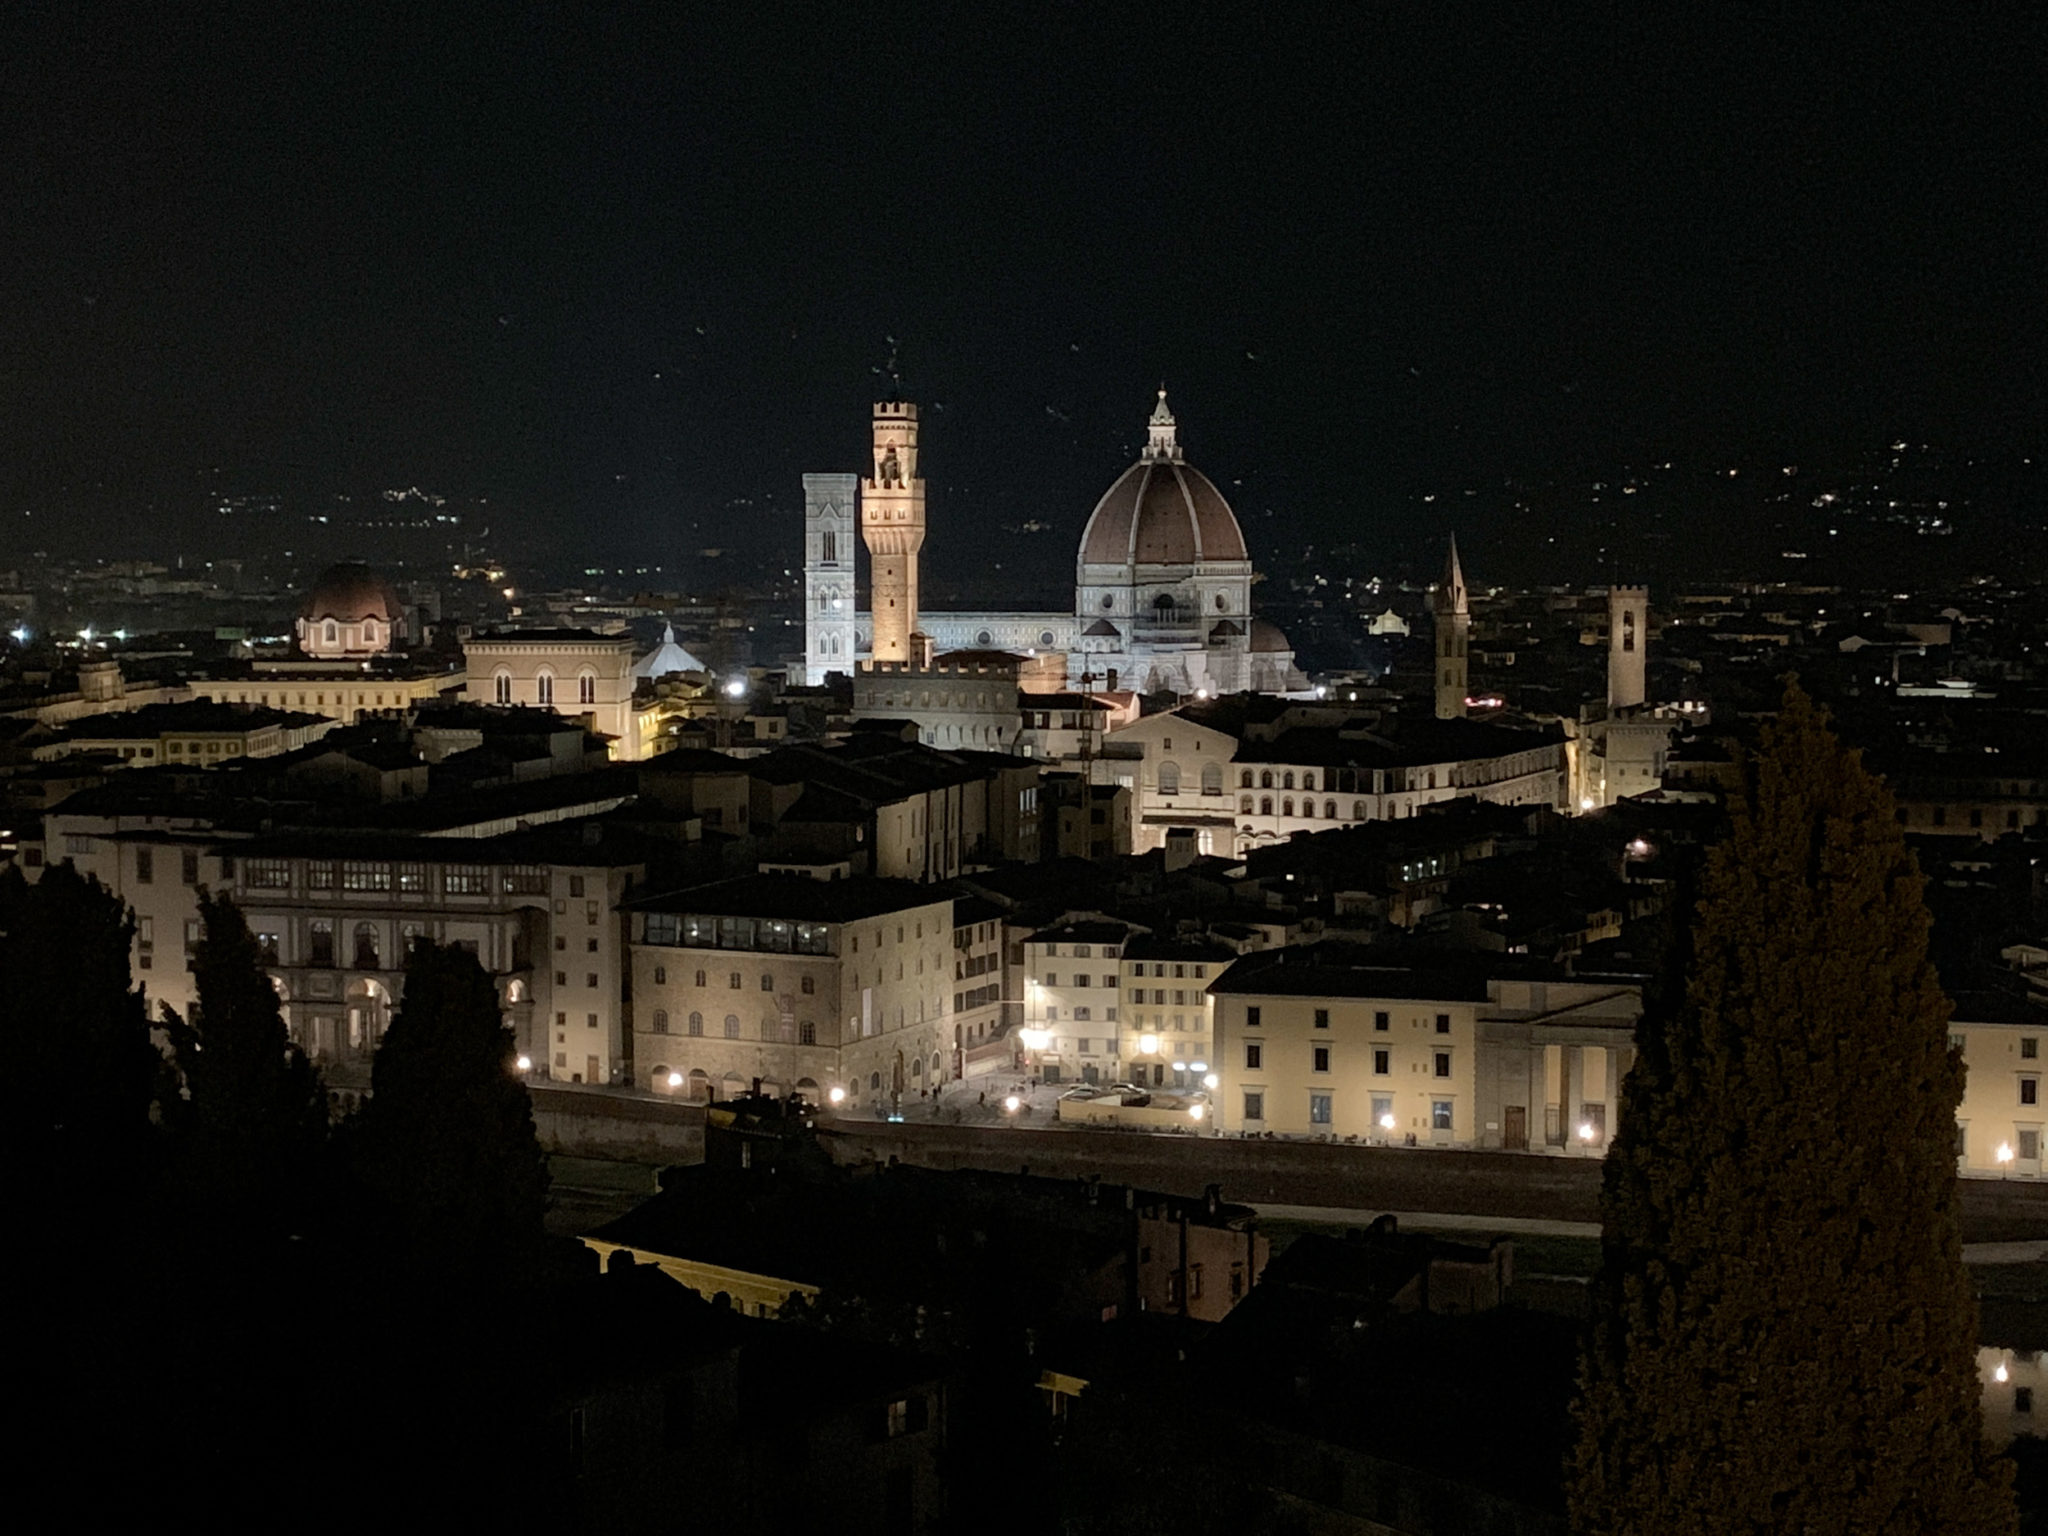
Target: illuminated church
1162	579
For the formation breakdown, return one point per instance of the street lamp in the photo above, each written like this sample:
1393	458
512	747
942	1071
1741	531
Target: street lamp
524	1064
675	1079
1195	1111
1148	1045
1586	1131
1386	1122
1211	1081
835	1094
1012	1103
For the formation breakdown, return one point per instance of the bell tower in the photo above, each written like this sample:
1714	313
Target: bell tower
1453	614
829	591
1628	639
892	525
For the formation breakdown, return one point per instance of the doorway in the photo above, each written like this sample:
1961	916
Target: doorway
1514	1128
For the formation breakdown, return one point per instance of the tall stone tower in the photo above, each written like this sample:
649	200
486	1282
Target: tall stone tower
829	589
1628	643
892	523
1453	629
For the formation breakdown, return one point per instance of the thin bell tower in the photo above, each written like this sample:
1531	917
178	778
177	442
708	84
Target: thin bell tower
892	525
1453	613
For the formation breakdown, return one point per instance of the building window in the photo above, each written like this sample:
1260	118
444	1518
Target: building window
1212	779
1319	1109
1380	1021
660	975
2030	1047
732	981
544	689
1440	1114
1443	1063
2030	1145
501	687
696	1024
266	948
189	867
1322	1018
1254	1055
661	1021
145	866
2022	1400
586	688
2030	1090
320	943
1251	1017
1254	1105
1383	1111
807	1033
1244	779
1382	1062
1169	778
732	1026
1320	1059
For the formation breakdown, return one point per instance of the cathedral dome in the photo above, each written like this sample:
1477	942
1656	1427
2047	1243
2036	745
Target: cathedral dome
1162	511
349	593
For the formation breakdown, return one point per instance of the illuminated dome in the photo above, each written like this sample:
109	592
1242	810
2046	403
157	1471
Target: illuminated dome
1161	511
349	593
351	612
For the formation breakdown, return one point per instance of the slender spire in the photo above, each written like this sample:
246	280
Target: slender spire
1451	596
1161	441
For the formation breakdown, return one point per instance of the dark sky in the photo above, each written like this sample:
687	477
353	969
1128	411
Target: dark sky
628	270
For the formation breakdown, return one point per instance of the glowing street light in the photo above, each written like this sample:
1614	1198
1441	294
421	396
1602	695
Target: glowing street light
1586	804
524	1064
1198	1066
1195	1111
736	689
1585	1130
1012	1103
675	1079
1148	1045
1386	1122
1211	1080
835	1094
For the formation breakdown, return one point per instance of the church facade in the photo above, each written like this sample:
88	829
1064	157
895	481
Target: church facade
1162	581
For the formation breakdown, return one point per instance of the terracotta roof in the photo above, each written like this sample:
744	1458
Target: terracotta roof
1161	512
349	592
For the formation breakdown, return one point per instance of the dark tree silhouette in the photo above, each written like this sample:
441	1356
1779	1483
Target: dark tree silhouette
445	1156
1784	1336
250	1130
83	1071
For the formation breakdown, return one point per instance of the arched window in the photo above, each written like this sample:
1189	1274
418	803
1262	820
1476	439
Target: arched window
828	547
501	687
1329	810
1212	779
1265	805
331	633
732	1026
586	687
1244	805
1308	781
1628	630
1287	806
369	631
807	1033
1287	779
696	1023
1308	809
544	688
1244	779
1169	778
661	1021
1265	778
367	956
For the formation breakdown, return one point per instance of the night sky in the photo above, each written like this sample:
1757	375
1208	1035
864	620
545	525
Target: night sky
628	273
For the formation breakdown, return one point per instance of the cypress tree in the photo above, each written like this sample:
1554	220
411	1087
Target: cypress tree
1784	1336
253	1122
446	1157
